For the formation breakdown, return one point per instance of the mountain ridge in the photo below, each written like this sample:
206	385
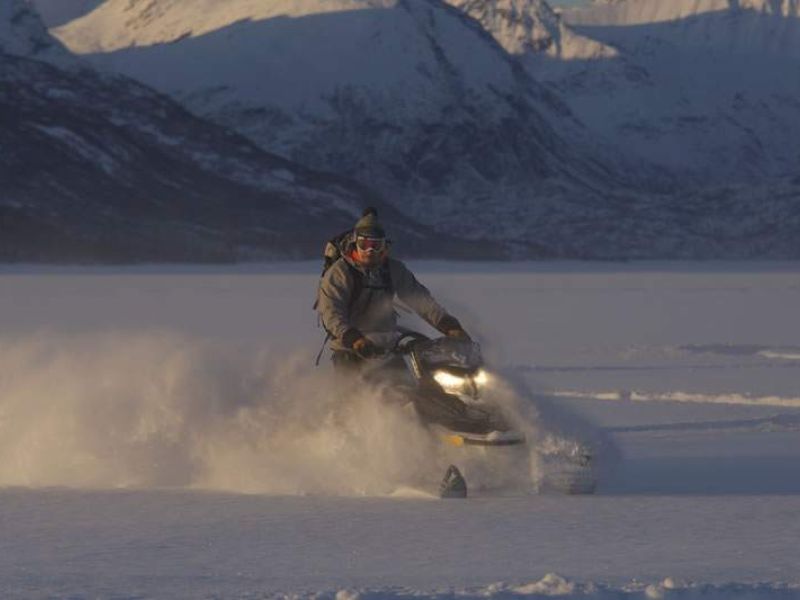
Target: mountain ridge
640	147
702	89
100	167
523	26
413	98
22	33
632	12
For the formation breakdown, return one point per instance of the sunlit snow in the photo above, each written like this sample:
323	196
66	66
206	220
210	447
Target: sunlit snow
195	453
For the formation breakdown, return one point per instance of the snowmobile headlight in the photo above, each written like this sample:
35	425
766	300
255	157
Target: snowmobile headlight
449	382
455	384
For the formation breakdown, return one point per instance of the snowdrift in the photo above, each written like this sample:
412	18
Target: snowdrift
555	586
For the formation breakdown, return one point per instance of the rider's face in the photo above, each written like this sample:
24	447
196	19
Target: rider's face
370	251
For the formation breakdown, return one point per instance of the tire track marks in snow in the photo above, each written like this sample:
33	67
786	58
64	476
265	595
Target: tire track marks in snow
679	396
555	586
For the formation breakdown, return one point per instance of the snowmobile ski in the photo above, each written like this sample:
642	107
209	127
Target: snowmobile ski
494	439
453	484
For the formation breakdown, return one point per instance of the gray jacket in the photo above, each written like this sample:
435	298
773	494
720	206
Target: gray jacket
371	311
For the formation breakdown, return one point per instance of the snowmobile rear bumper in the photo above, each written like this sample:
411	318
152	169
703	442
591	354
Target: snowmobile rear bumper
493	439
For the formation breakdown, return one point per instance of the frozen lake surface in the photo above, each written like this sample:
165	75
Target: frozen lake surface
163	434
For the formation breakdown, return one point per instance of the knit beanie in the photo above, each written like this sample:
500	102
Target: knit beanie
368	225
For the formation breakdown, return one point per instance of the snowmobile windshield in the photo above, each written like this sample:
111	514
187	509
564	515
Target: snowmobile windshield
450	352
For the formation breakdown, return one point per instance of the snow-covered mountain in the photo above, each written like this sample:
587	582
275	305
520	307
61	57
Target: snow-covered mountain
712	86
549	50
22	33
705	89
634	12
97	167
618	130
410	97
525	27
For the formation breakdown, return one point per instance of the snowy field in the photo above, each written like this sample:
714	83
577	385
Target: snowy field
164	434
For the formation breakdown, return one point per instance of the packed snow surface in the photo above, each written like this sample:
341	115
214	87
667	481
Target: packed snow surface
163	434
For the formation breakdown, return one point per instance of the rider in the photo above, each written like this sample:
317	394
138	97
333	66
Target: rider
356	297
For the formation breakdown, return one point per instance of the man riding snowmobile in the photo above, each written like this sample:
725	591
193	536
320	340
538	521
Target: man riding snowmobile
357	291
443	379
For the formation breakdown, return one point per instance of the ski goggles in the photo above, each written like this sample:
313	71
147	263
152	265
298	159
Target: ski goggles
366	243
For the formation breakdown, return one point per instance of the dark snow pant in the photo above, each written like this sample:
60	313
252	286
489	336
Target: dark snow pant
346	363
351	364
392	377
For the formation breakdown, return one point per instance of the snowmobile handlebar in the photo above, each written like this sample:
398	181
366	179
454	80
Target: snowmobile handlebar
404	344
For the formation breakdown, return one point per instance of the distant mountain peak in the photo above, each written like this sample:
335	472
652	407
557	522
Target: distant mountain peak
22	33
521	25
524	27
58	12
410	97
631	12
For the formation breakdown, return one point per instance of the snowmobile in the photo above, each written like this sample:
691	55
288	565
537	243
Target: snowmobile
447	389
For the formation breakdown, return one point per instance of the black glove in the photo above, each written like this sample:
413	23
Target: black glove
359	343
458	334
450	326
365	348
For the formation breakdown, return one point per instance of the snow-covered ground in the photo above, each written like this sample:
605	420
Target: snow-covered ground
163	434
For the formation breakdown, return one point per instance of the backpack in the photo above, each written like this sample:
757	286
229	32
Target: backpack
335	248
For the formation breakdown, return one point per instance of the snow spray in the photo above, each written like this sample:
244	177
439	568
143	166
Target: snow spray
162	409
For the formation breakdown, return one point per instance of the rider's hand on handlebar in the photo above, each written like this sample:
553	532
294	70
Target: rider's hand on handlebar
365	348
450	326
458	334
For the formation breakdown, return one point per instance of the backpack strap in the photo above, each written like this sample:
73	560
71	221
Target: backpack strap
328	337
358	287
334	249
355	294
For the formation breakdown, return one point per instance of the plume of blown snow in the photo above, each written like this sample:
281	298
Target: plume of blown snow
161	409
